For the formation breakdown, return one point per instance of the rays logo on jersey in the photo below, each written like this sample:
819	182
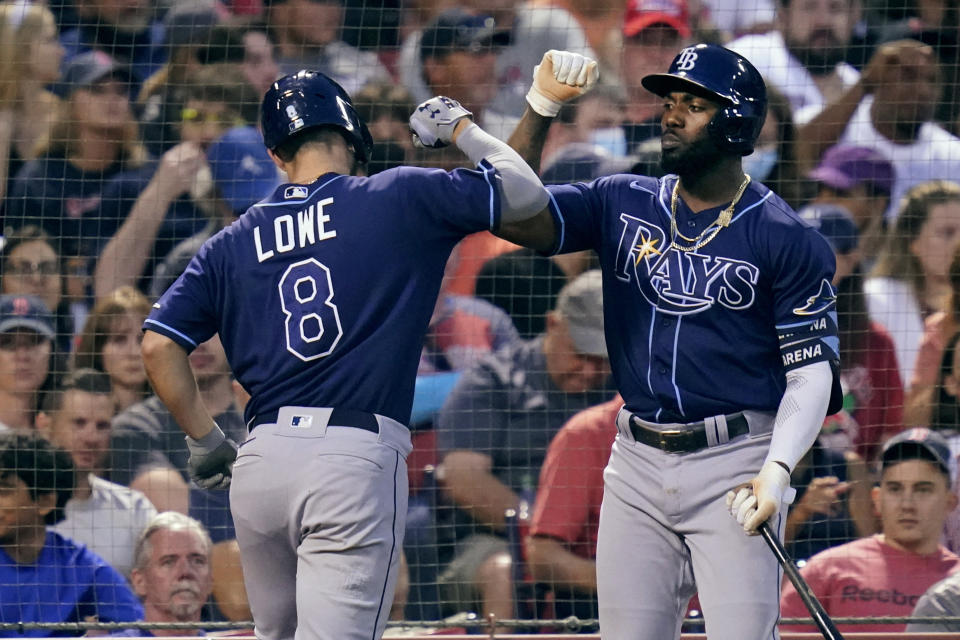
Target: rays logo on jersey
825	298
677	282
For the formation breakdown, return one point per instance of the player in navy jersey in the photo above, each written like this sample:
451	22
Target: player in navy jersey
721	329
321	295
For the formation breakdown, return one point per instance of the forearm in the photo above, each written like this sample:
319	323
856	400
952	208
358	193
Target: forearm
168	369
795	519
480	494
6	143
122	261
859	501
801	413
523	195
529	136
550	561
825	129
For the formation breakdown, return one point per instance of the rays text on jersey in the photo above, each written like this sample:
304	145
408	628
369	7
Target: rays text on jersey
308	226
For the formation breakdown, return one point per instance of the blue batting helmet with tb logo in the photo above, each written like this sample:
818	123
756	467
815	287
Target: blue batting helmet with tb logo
726	77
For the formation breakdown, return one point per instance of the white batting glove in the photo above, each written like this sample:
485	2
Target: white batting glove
211	459
433	122
560	77
755	503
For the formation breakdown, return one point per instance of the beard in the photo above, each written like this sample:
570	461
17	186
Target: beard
818	61
697	157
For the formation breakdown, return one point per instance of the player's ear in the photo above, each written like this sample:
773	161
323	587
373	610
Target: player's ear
277	161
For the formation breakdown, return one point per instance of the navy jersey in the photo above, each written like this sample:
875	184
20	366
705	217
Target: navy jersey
699	333
322	293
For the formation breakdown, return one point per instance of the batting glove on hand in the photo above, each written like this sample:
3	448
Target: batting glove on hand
433	122
211	459
560	77
754	504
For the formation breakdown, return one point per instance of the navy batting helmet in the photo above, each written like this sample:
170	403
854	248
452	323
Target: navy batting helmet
308	99
723	76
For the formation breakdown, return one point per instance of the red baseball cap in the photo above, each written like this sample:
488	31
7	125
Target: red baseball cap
644	13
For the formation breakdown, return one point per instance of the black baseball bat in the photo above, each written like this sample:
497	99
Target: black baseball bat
824	623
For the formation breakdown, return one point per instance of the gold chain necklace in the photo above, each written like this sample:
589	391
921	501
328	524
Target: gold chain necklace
713	228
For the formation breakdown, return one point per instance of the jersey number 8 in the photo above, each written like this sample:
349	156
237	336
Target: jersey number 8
312	321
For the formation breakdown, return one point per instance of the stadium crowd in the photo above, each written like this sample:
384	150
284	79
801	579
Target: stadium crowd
128	137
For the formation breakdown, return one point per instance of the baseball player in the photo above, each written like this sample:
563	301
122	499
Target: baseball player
321	295
720	326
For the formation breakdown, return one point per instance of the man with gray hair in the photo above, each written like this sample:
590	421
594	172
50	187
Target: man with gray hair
493	432
172	573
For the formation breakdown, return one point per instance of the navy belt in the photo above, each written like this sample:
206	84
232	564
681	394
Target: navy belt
690	439
338	418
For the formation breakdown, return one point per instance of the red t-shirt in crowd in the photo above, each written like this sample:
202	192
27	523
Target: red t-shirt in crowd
571	479
867	577
877	393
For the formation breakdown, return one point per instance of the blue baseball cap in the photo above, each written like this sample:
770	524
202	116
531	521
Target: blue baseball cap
242	170
26	312
835	224
458	30
917	443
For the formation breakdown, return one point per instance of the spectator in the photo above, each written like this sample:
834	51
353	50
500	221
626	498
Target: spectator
774	158
911	278
110	342
259	63
859	180
28	362
869	376
942	600
653	32
170	201
31	266
803	57
459	51
728	19
890	110
45	577
946	421
525	285
243	174
61	190
529	29
104	516
194	39
307	34
593	120
173	574
149	452
385	108
885	574
928	370
561	548
30	55
126	31
494	428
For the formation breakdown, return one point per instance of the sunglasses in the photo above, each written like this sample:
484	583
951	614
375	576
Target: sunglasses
226	119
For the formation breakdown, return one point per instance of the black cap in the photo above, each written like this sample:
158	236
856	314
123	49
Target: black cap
918	443
457	30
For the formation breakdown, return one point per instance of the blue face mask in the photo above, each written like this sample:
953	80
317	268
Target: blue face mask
761	162
613	140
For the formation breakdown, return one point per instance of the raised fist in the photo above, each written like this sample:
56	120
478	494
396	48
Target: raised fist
559	78
433	122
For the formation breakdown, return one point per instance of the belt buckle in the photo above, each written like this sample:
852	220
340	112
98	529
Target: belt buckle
666	438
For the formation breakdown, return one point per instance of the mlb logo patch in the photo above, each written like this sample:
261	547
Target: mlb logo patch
295	192
301	422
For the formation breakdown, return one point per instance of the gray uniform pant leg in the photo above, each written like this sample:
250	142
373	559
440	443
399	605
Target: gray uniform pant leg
319	517
664	524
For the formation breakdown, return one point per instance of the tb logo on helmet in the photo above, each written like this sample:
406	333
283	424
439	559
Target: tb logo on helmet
687	59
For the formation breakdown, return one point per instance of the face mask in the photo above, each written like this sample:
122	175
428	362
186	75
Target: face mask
760	163
613	140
